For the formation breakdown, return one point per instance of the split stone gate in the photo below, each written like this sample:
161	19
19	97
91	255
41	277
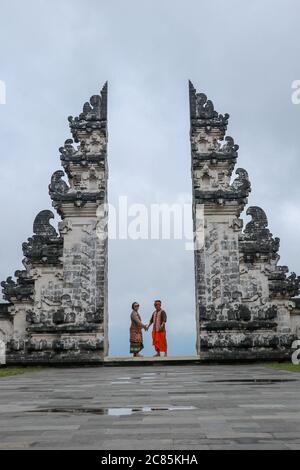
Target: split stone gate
56	308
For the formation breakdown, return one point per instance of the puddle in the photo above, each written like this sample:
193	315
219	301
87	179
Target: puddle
114	411
150	376
122	382
127	380
254	381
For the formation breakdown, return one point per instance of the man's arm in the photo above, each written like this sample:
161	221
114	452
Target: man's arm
163	319
151	321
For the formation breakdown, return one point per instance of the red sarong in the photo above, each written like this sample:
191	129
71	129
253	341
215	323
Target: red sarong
159	341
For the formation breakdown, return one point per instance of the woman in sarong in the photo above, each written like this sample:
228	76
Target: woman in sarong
136	336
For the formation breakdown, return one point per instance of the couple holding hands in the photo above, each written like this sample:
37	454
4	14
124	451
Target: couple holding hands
158	320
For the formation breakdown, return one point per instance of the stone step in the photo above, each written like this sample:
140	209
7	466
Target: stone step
149	360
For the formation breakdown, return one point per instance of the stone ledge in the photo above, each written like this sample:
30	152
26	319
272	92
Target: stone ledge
64	328
238	325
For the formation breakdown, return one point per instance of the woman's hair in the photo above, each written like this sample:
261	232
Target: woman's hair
132	306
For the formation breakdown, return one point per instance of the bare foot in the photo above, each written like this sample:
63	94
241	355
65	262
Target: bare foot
157	355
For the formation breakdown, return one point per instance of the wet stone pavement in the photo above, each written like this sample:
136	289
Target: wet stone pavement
151	407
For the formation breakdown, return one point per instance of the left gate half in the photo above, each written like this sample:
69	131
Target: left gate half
56	308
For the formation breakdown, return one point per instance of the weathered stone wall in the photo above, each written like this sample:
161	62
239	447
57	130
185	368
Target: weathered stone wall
295	317
6	323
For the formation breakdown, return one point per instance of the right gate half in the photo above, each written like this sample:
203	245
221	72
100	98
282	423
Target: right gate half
243	298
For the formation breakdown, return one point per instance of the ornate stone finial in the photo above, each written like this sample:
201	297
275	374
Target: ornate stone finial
293	285
229	146
58	185
20	290
42	226
93	116
8	288
68	151
259	219
257	241
60	193
282	285
242	183
203	114
204	107
45	246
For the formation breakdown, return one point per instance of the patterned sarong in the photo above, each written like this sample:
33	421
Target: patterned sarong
136	336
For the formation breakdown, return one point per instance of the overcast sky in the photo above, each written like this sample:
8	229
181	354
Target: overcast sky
55	55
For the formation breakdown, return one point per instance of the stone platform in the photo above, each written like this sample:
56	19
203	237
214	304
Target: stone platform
150	360
142	407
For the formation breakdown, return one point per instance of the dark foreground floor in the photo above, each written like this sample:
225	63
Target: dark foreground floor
151	407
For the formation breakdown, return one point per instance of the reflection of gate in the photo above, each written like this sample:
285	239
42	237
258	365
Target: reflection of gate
2	352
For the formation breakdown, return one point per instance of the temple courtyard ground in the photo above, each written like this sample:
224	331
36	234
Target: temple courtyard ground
159	406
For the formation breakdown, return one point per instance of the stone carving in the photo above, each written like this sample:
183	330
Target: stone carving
259	220
45	247
229	146
210	185
64	227
242	183
42	226
282	285
58	185
22	289
257	240
203	114
204	107
92	149
93	117
68	151
77	198
94	144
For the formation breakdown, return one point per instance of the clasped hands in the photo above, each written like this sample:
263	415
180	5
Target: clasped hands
146	327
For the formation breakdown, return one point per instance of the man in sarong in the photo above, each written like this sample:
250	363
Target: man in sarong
158	319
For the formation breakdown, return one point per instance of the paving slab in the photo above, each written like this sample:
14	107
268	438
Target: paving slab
181	406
